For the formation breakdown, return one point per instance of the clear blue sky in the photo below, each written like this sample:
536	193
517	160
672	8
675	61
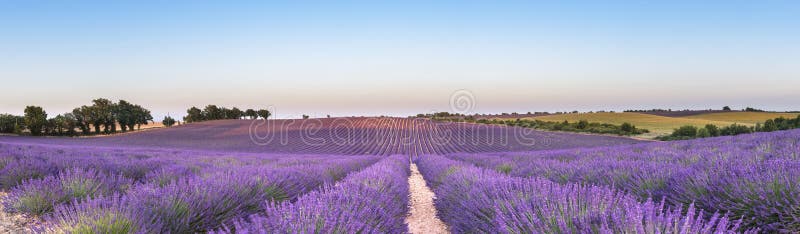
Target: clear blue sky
374	57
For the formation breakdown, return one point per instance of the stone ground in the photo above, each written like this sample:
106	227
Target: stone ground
422	217
13	223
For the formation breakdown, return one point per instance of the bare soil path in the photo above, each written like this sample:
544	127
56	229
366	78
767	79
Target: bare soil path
13	223
422	217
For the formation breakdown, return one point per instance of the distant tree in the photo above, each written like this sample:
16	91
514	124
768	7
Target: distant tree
234	113
69	123
194	114
251	113
102	115
142	116
50	127
212	112
168	121
264	113
35	119
125	114
726	108
305	117
83	118
750	109
10	123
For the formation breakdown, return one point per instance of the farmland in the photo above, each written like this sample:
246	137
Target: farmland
347	136
663	125
214	177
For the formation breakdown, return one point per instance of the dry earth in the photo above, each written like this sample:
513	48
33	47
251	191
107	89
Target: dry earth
422	217
13	223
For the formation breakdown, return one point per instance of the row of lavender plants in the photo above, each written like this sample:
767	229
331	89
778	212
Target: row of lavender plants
756	176
472	199
80	189
371	201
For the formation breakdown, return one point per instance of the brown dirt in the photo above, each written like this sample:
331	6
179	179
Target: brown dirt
14	223
422	217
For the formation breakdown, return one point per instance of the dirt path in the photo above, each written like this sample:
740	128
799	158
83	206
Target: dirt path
422	217
12	223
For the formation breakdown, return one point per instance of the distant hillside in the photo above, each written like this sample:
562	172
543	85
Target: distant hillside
658	125
372	136
743	117
683	113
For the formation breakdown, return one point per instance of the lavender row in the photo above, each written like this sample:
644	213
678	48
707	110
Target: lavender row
196	203
471	199
371	201
176	191
753	176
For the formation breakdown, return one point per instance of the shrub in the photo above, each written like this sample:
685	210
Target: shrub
685	131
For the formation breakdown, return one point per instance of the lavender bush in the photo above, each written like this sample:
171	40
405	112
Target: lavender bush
755	176
472	199
371	201
38	196
187	199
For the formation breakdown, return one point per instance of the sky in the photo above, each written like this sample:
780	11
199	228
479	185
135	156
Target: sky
399	58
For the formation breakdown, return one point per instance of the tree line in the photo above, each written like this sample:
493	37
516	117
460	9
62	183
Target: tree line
214	112
102	117
625	129
691	132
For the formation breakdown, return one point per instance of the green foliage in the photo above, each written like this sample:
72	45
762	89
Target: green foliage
251	113
35	119
168	121
735	129
711	130
726	108
264	113
703	133
305	116
11	123
580	126
214	112
685	131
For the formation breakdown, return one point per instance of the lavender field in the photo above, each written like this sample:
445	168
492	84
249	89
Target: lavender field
349	136
158	182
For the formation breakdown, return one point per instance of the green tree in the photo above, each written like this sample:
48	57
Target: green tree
168	121
305	116
264	113
69	123
35	119
126	116
194	114
726	108
10	123
251	113
83	118
102	115
213	112
141	116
